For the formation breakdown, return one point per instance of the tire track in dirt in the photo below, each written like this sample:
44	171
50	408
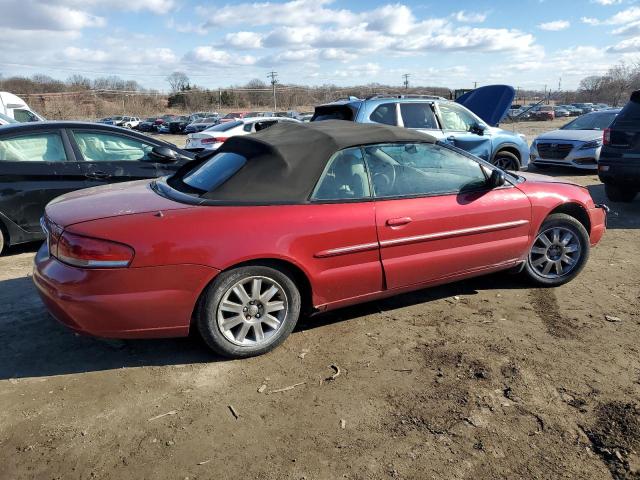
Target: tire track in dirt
545	305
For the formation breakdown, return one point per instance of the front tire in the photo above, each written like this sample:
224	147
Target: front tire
559	251
506	161
616	193
3	242
249	311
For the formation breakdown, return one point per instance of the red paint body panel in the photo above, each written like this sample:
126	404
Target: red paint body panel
347	251
121	302
452	234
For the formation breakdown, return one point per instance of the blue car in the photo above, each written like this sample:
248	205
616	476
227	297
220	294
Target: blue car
469	123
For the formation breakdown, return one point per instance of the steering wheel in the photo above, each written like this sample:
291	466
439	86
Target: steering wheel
385	178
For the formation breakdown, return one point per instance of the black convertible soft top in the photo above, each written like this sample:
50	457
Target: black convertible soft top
285	161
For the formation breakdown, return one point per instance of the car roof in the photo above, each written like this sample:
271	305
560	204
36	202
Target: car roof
47	125
285	161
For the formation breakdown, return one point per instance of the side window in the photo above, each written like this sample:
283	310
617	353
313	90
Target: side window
385	113
411	169
265	124
38	147
24	116
344	178
108	147
418	115
247	127
456	118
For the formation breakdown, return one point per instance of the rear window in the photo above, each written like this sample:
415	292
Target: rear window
629	116
333	112
418	115
223	127
214	172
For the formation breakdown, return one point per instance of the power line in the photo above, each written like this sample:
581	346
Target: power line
274	79
406	80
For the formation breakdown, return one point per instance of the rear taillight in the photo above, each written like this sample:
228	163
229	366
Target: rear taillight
214	140
80	251
606	136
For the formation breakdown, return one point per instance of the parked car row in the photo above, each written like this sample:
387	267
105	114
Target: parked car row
372	198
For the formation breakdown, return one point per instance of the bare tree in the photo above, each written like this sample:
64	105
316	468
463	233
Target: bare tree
178	81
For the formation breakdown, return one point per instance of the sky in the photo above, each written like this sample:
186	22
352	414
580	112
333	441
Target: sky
524	43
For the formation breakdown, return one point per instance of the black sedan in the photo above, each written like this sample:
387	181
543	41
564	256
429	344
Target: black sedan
42	160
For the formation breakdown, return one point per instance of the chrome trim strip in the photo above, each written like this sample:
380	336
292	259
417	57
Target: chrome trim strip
452	233
334	252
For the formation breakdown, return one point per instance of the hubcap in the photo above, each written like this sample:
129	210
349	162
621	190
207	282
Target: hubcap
252	311
555	252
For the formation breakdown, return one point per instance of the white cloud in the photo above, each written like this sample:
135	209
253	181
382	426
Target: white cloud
391	19
607	2
292	13
243	40
469	17
555	26
629	30
155	6
590	20
221	58
34	15
629	45
120	55
629	15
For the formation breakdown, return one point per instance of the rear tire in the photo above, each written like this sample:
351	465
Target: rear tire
615	193
2	240
506	161
559	251
248	311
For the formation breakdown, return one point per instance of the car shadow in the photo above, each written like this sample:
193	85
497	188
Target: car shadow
36	345
496	281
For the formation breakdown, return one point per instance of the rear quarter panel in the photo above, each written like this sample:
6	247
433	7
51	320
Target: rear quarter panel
221	237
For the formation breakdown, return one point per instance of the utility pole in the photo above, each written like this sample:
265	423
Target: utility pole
475	85
406	80
274	79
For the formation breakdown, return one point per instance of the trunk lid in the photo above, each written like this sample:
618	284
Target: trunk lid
491	103
107	201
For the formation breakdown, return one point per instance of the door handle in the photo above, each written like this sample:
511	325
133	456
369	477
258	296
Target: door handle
397	222
98	175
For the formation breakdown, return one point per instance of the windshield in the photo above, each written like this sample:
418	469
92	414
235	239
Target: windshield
231	115
214	172
223	127
591	121
4	118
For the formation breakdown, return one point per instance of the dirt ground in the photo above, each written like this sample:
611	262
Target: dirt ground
481	379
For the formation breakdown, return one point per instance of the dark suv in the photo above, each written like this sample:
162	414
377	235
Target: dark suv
619	163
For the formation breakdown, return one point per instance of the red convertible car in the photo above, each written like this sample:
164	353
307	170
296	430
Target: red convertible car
298	219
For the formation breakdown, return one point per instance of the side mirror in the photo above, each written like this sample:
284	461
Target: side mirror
163	155
478	129
497	178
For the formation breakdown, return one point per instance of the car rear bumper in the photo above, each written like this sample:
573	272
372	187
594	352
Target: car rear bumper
614	173
147	302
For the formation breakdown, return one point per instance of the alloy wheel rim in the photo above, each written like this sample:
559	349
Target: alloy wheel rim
252	311
555	252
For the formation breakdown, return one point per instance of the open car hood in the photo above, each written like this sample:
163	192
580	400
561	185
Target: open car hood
490	103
